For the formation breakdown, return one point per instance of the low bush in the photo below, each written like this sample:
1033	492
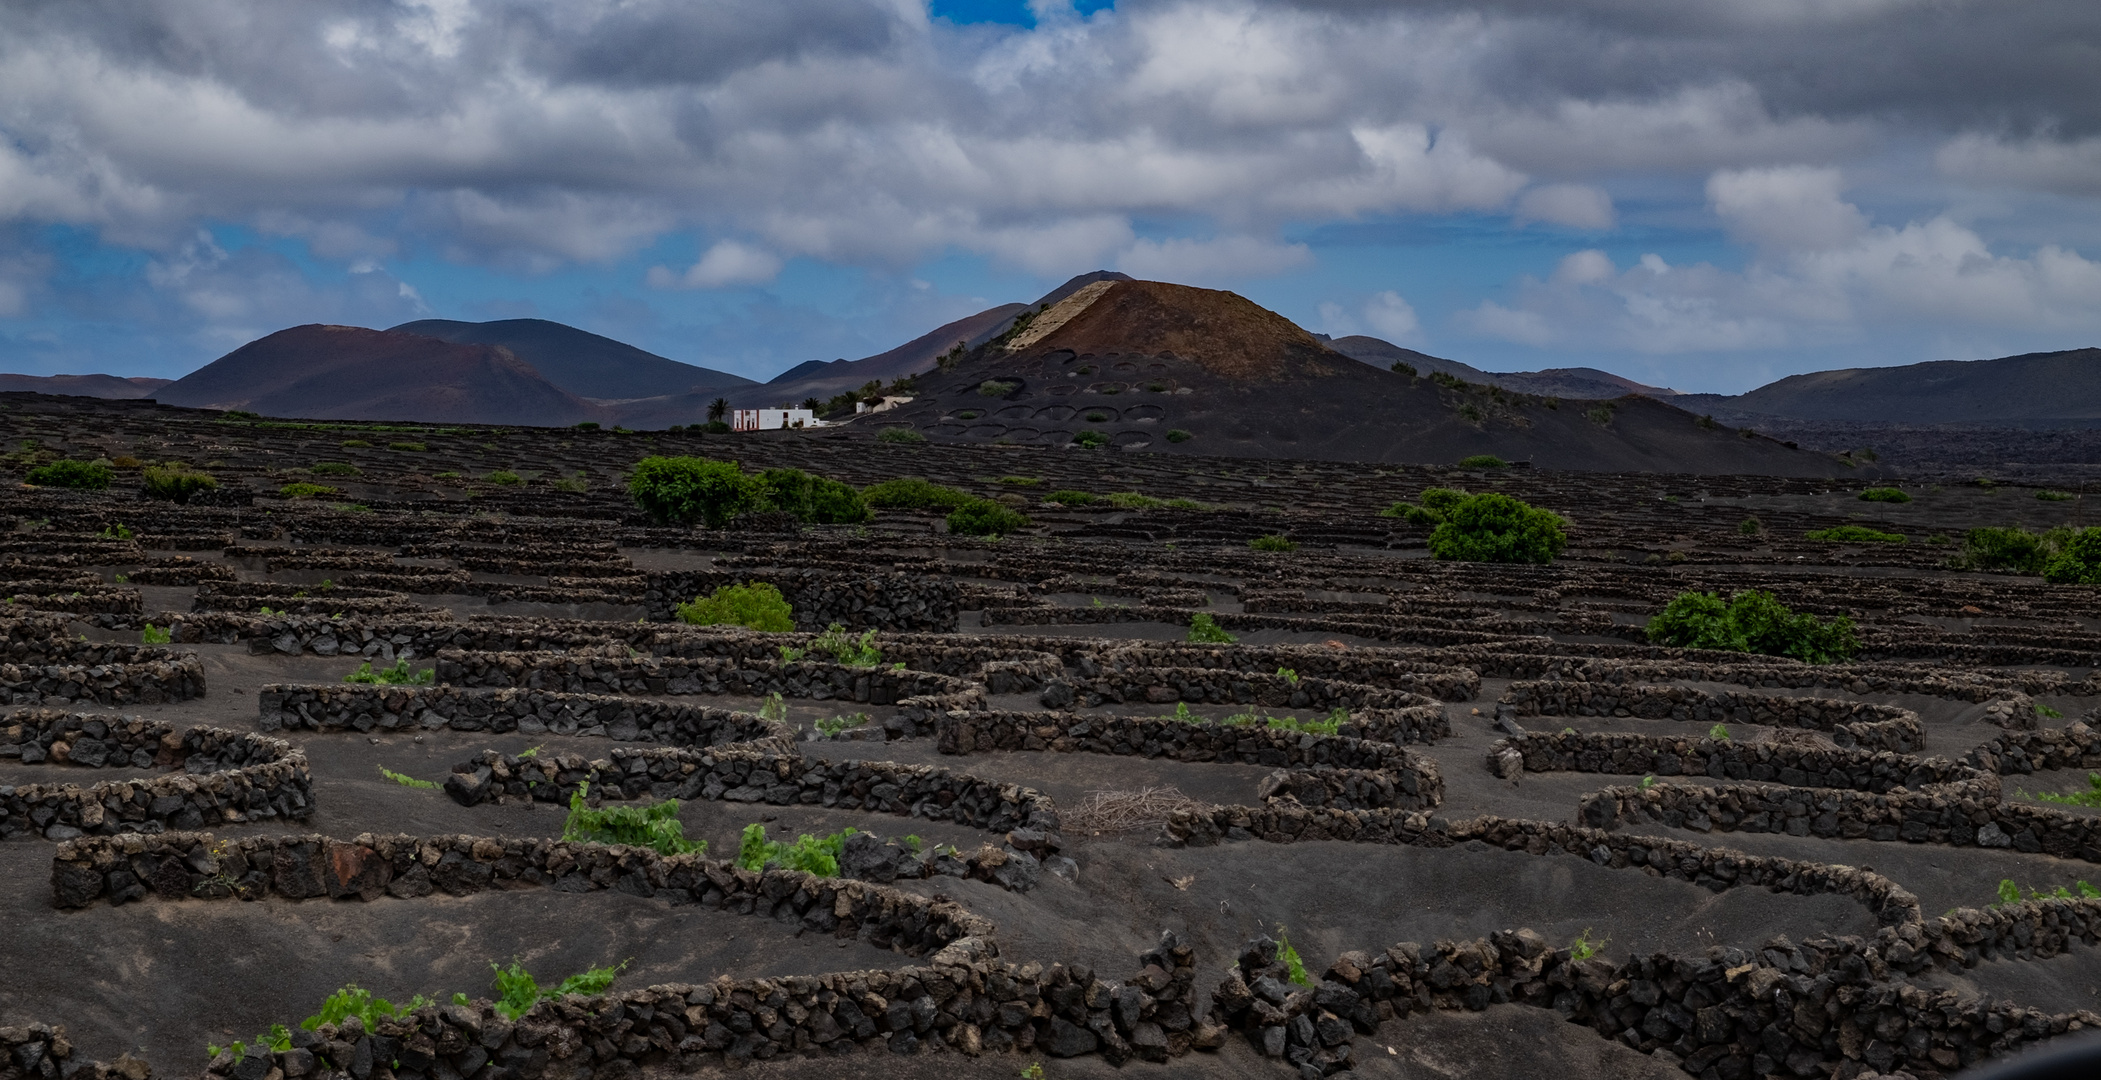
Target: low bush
1496	528
2012	548
1884	495
414	447
983	517
1483	461
1752	621
398	675
175	482
1177	435
2078	559
504	478
655	826
2055	496
754	605
685	490
900	435
1021	481
1205	629
817	855
1854	534
304	490
818	500
78	475
1131	500
1090	440
154	635
913	493
838	725
997	387
1273	542
1069	498
2090	797
1434	505
843	647
1751	527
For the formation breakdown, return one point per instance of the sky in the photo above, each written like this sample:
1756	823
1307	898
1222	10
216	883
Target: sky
1705	196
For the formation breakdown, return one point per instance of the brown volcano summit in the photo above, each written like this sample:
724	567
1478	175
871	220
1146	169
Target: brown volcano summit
1221	332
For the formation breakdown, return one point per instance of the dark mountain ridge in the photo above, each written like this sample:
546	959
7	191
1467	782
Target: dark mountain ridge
580	362
2062	386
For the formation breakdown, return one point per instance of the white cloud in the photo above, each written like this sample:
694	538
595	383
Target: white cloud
2066	167
1391	317
727	263
1218	261
1578	206
1789	208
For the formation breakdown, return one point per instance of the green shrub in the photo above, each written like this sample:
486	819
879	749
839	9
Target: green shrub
1205	629
405	780
415	447
900	435
843	647
79	475
2090	797
1434	505
397	675
997	387
1021	481
1273	542
1884	495
1583	948
1090	440
154	635
303	490
1496	528
1131	500
1751	527
517	991
175	482
754	605
655	826
1069	498
1752	621
816	499
2055	496
1483	461
1294	966
1177	435
838	725
2010	893
2078	559
1855	534
685	490
817	855
335	468
356	442
2012	548
913	493
717	427
983	517
504	478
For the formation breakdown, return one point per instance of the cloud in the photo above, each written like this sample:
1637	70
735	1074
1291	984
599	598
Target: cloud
1391	317
2063	167
1223	260
727	263
1824	272
1578	206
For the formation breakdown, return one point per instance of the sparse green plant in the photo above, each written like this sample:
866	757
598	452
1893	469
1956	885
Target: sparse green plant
117	532
1294	966
754	605
1205	629
1089	439
411	447
1884	495
1032	1071
78	475
900	435
1751	527
1178	435
301	489
1853	534
350	443
504	478
818	855
1273	542
399	674
517	991
1647	782
1288	675
1021	481
2055	496
1328	725
354	1000
1069	497
847	649
2090	797
2047	711
1483	461
774	709
404	779
1131	500
154	635
2010	893
1403	367
1719	733
2078	559
1583	948
997	387
835	725
655	826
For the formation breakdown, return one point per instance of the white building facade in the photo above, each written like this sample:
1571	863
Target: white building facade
771	419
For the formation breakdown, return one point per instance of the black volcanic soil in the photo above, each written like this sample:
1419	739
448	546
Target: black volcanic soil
1147	358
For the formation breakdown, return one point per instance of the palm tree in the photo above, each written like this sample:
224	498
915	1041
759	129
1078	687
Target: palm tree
718	409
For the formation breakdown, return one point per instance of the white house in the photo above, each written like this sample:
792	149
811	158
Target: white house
771	419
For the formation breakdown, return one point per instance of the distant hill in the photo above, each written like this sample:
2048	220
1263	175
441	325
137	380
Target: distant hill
583	363
2034	387
100	386
1552	382
351	373
1136	360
